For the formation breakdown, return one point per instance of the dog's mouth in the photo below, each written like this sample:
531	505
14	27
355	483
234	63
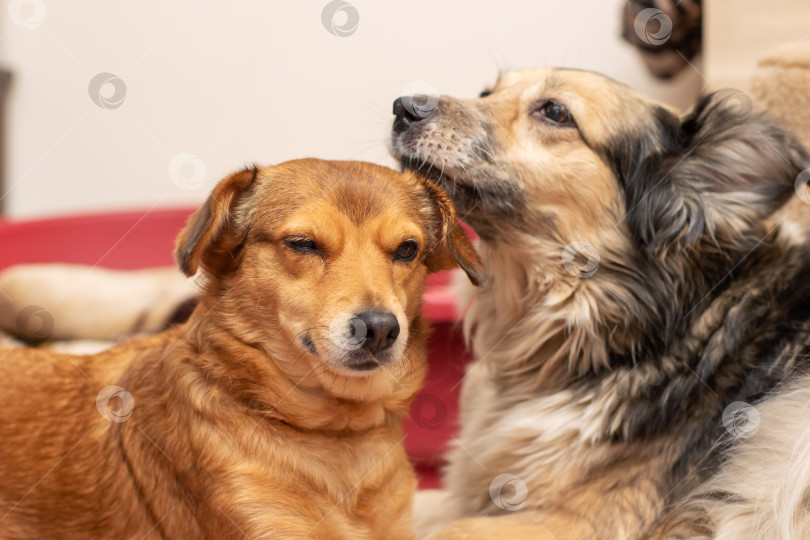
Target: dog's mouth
309	345
362	365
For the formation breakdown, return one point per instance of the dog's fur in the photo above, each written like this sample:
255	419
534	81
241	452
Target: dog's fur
250	419
602	384
91	303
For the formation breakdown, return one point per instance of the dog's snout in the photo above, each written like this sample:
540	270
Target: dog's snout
410	109
382	330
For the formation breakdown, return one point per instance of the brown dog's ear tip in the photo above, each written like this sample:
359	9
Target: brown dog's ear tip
183	256
472	265
466	256
188	269
184	262
476	276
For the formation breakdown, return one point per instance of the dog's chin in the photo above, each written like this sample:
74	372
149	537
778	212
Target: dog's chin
488	204
464	194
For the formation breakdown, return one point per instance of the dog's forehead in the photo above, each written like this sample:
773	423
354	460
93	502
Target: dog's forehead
588	85
357	190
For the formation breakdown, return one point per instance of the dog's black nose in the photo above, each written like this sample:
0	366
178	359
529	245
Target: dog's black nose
410	109
382	329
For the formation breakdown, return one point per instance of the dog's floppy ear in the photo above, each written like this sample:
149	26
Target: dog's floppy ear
210	238
708	180
453	247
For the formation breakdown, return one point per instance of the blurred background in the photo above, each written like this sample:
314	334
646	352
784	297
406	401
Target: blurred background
121	105
114	105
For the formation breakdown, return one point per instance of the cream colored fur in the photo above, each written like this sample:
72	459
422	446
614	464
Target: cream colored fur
92	303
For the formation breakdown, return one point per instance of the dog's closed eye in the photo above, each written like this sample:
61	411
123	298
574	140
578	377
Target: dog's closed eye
302	244
555	113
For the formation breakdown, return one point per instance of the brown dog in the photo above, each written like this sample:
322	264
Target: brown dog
274	411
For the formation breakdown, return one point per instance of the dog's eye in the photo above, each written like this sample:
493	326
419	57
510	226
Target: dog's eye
485	93
302	245
406	251
555	113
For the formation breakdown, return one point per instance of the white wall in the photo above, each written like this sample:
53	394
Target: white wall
258	80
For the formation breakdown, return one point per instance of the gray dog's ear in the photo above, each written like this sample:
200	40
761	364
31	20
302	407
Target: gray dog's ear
211	238
452	247
707	182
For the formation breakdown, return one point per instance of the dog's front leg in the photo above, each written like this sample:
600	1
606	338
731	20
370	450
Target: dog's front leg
429	511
